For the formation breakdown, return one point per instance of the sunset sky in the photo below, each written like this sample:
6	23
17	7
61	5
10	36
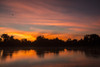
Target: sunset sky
52	18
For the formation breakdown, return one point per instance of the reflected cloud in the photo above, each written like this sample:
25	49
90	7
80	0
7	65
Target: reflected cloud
53	56
41	52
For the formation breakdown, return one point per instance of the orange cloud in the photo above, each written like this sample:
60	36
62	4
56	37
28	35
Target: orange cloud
59	24
32	35
18	34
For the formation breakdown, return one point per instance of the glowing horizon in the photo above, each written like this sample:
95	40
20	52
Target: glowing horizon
33	35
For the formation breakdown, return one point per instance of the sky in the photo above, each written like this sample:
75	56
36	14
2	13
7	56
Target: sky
51	18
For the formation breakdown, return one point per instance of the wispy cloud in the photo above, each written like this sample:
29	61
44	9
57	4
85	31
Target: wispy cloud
39	16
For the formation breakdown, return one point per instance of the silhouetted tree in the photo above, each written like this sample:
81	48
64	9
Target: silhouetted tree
40	38
0	40
5	37
92	39
69	39
24	40
12	38
75	41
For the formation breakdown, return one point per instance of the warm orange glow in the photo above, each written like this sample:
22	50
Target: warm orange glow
22	55
20	36
32	35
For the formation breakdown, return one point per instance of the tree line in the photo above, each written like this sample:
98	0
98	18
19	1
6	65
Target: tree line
91	40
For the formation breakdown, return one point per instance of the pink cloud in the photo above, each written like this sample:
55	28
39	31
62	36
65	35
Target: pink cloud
41	13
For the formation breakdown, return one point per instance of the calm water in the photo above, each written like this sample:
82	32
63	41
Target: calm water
49	57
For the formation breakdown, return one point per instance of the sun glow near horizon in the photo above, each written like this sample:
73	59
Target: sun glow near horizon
31	36
50	18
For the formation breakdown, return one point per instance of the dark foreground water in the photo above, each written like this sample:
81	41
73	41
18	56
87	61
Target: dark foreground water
49	57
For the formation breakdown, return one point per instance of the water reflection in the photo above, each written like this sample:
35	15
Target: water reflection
40	52
89	52
52	56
